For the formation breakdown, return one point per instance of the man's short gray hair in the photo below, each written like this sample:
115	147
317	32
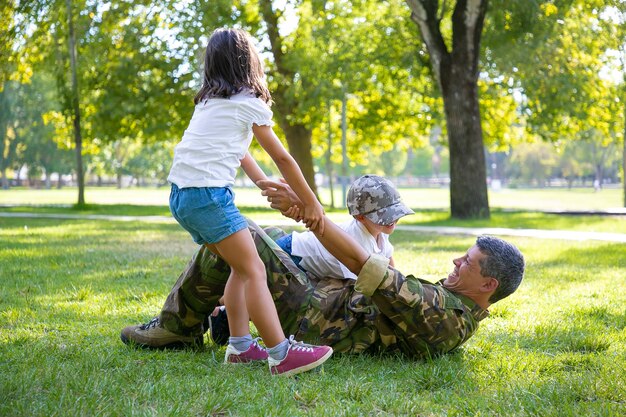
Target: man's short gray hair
503	262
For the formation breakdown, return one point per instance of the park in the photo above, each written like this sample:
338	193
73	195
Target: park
490	117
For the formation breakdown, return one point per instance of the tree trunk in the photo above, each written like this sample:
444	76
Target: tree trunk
329	161
298	135
468	174
7	156
299	142
47	181
456	72
5	180
344	150
78	139
599	175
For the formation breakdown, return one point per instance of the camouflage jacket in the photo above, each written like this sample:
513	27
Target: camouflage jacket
383	311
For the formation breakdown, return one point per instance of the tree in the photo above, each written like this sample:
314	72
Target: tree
566	93
533	163
74	108
614	29
39	149
13	71
9	124
127	52
297	133
456	71
337	75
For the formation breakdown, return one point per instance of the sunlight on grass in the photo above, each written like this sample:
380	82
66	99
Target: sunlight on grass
431	206
557	347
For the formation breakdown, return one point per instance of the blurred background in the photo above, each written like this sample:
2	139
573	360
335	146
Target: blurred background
477	103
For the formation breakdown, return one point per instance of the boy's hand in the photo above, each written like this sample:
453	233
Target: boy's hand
292	212
314	218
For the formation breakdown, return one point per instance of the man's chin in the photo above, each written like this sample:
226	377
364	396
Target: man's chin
451	282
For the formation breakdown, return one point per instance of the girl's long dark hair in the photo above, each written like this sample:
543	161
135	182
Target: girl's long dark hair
232	64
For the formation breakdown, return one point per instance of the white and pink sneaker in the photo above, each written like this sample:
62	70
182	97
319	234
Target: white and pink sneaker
301	357
254	353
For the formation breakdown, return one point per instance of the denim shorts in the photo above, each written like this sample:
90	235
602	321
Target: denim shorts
207	213
285	244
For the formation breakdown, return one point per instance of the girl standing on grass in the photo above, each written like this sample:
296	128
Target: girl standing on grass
231	106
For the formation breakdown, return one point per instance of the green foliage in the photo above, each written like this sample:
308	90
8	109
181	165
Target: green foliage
555	53
550	68
362	50
534	163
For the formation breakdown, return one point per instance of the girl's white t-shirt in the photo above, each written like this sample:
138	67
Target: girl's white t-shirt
317	260
218	137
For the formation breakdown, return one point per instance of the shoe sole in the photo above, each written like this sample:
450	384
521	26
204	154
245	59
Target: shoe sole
244	362
196	344
307	367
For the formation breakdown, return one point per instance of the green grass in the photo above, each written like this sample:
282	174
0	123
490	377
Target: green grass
431	206
419	198
555	348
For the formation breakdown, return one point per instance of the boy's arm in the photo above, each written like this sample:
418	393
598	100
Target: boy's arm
391	262
314	213
252	169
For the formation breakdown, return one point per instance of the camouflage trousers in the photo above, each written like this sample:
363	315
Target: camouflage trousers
200	286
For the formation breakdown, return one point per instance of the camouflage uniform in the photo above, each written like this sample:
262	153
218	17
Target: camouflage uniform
382	311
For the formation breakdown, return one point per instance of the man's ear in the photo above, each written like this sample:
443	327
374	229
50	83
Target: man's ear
490	284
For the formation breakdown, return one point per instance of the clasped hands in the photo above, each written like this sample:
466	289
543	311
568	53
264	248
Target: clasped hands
281	197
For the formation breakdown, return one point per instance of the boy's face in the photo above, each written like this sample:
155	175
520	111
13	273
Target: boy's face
376	229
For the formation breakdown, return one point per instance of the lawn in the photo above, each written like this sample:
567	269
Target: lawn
510	208
555	348
418	198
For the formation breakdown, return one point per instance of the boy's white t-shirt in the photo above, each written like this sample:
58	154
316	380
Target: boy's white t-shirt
317	260
218	137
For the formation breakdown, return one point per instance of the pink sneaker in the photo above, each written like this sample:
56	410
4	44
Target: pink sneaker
300	358
254	353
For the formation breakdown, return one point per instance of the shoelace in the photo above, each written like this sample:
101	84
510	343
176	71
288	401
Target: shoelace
295	345
152	323
255	341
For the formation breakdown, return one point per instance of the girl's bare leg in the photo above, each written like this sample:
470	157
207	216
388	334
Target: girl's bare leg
246	294
234	295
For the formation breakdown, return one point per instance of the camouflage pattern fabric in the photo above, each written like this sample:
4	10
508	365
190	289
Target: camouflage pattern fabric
404	313
377	199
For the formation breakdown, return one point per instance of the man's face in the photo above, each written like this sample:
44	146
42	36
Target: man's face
466	278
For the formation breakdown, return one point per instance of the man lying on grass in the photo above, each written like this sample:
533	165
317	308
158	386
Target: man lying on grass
383	310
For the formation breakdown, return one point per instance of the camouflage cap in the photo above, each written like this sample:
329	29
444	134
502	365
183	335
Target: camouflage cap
377	199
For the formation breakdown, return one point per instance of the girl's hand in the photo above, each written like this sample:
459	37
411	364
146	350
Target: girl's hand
314	218
293	212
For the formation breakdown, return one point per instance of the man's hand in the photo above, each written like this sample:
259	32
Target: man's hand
280	195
